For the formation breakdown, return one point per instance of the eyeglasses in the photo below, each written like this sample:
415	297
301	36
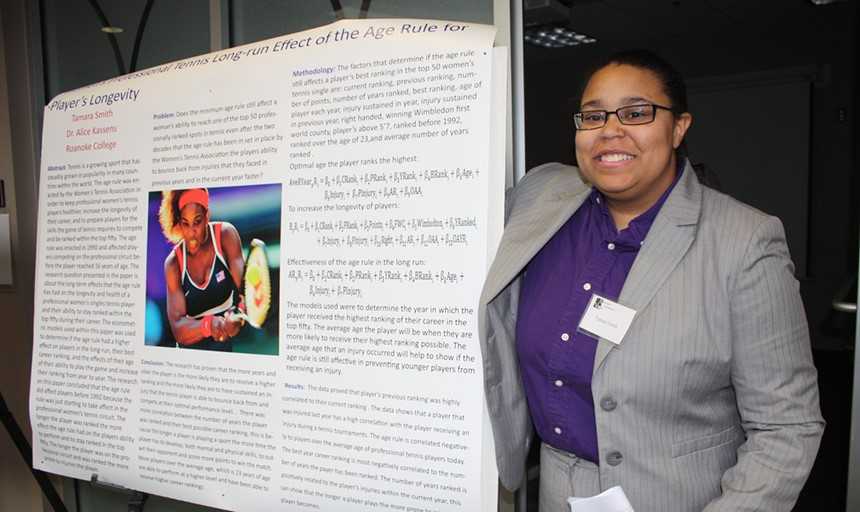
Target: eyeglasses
632	114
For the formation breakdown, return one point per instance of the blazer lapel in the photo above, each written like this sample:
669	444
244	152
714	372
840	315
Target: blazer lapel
667	241
530	227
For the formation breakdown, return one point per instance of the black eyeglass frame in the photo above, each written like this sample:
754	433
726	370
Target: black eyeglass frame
577	116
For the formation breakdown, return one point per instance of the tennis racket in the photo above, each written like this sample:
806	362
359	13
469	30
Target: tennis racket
257	284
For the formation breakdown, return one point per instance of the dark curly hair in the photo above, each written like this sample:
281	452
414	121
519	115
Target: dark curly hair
168	214
672	81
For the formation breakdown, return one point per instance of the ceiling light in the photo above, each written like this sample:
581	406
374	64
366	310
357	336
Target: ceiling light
112	30
555	37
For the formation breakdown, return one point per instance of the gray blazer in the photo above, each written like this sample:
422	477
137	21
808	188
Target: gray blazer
711	400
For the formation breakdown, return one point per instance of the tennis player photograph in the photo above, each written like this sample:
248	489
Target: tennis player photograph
212	278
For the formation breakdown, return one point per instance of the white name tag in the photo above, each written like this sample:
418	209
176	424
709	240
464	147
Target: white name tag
606	319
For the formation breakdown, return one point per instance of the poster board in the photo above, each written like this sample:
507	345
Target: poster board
365	156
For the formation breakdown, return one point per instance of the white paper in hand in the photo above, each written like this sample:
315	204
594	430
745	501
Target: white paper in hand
610	500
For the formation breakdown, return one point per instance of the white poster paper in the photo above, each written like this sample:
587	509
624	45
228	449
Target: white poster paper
357	159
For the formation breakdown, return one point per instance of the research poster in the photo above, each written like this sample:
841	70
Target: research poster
258	272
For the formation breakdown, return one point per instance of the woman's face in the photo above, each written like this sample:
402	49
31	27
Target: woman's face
193	221
629	163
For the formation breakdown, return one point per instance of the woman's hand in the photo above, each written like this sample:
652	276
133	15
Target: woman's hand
225	327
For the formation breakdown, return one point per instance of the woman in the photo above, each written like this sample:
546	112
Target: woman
649	327
203	272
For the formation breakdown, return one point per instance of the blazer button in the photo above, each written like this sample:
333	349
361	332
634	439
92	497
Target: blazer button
614	458
608	404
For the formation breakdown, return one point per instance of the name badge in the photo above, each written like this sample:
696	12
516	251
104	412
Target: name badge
606	319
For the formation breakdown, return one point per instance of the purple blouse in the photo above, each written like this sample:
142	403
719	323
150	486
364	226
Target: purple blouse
586	256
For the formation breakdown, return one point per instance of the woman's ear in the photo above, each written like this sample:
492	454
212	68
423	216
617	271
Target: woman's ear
682	124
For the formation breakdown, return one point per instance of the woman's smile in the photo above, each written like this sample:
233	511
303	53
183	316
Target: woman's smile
614	158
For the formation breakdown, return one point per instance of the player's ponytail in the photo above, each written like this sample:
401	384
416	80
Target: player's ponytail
168	215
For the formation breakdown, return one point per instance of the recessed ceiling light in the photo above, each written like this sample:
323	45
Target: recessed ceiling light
555	37
112	30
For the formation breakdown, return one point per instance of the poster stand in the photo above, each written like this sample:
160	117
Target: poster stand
136	500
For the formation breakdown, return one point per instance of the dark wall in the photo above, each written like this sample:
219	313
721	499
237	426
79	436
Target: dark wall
78	53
